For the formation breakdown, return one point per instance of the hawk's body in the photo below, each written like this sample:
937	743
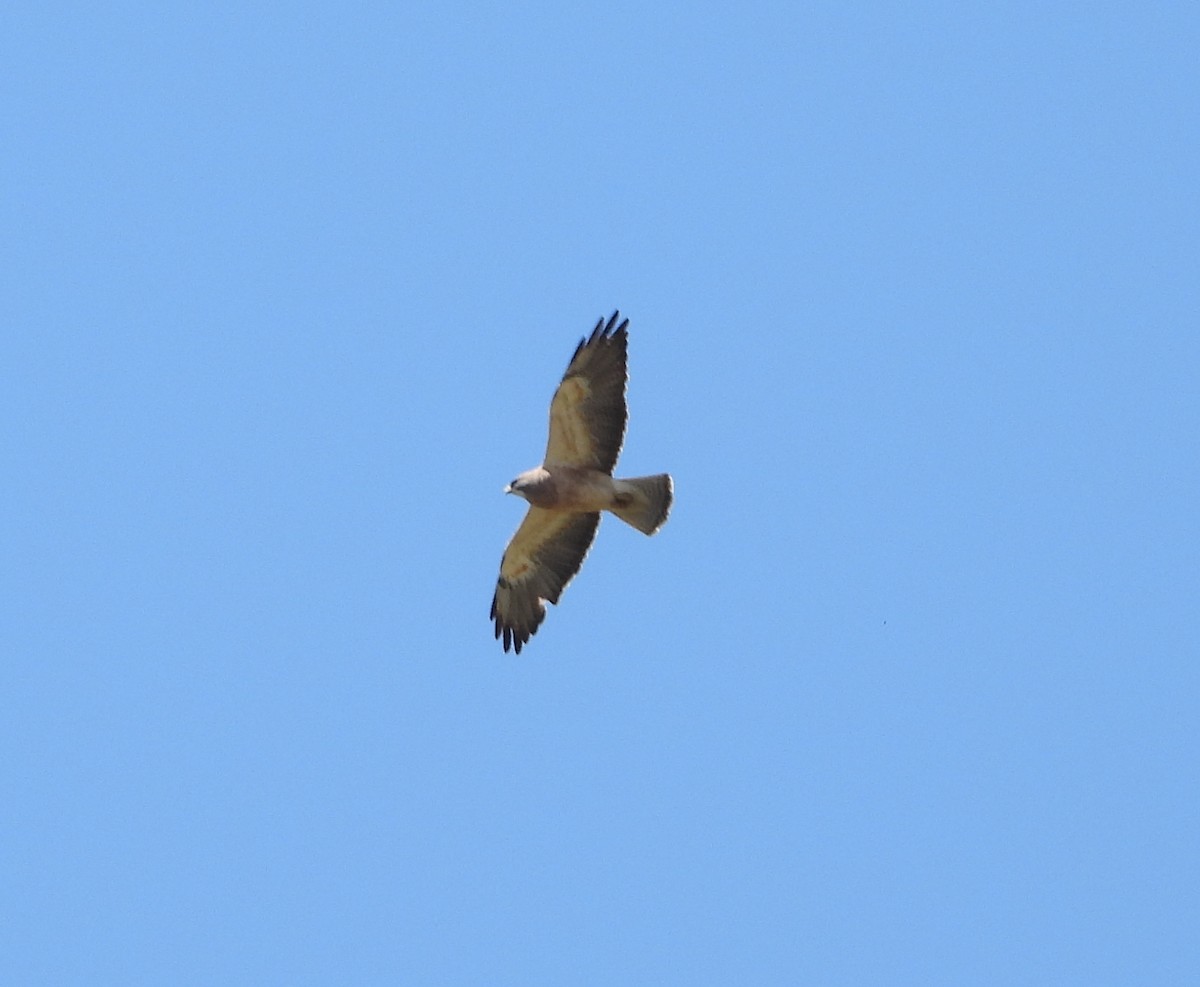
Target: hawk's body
575	483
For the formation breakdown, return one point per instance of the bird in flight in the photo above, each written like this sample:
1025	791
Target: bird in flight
573	485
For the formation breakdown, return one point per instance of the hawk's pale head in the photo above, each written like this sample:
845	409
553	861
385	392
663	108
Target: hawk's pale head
526	483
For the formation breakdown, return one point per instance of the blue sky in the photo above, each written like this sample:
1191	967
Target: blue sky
906	691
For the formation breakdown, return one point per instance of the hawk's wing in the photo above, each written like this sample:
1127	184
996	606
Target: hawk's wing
588	413
544	554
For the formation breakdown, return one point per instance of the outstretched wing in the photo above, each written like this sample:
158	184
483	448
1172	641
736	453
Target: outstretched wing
541	559
588	413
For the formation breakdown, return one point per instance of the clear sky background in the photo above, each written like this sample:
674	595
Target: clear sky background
906	692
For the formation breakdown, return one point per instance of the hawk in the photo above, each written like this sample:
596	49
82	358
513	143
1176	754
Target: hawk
573	485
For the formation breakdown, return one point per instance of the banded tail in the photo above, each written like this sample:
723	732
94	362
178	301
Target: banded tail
644	501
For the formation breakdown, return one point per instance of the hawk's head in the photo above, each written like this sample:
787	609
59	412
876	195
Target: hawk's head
526	483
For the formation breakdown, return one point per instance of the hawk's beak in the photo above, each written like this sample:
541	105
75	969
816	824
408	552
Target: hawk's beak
508	488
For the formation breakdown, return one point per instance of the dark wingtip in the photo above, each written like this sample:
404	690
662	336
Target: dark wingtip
623	327
596	333
603	330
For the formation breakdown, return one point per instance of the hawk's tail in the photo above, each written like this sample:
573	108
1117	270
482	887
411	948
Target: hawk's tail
644	501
